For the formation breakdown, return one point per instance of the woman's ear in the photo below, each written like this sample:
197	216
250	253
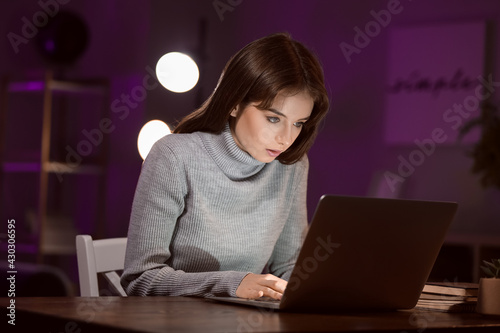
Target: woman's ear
234	112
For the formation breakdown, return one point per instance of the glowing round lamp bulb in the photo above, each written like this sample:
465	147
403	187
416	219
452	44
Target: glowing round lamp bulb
177	72
149	134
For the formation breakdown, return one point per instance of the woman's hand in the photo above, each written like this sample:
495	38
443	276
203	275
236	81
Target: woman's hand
259	285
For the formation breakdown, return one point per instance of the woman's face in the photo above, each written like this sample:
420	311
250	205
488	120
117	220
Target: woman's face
264	134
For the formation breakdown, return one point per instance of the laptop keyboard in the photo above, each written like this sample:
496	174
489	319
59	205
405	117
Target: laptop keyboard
267	299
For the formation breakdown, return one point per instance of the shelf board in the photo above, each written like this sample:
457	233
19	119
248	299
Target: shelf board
54	248
53	167
59	85
77	87
25	86
88	169
21	167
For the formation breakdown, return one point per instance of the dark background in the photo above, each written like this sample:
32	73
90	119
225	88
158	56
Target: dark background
127	37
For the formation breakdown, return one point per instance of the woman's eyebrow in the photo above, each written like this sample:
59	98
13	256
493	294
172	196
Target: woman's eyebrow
277	112
283	115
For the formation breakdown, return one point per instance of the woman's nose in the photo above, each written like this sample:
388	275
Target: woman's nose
284	137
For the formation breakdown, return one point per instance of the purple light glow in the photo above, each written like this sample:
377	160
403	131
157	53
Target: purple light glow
26	86
50	45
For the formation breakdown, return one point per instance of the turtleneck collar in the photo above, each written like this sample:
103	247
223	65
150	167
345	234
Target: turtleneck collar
231	159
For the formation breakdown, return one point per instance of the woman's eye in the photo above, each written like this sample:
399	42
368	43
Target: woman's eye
273	119
299	124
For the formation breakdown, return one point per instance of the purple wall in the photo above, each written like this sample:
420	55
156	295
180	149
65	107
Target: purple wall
127	37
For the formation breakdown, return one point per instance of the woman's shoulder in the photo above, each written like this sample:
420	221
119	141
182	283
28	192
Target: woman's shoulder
179	143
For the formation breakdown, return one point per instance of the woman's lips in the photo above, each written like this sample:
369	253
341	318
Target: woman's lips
273	153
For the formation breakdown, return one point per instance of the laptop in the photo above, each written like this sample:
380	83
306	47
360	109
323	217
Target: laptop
364	253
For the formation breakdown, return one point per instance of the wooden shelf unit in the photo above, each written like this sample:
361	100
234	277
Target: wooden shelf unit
54	232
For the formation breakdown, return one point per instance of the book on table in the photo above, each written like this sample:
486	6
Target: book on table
451	288
449	297
438	297
444	306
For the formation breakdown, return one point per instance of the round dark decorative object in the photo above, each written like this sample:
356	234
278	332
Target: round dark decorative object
63	39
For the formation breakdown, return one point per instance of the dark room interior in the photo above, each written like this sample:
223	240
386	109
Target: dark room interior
413	85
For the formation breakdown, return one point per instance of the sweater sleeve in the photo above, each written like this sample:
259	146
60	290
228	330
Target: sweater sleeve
158	202
290	241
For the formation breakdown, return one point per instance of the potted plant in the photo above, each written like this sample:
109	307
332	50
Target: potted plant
486	152
488	301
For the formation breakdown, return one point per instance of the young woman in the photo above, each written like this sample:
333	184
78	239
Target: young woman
224	198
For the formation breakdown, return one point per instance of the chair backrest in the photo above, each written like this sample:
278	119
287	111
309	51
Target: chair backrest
104	256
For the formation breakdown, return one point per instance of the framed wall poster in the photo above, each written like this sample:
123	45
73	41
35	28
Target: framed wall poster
434	72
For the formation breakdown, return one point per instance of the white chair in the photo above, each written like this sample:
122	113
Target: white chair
104	256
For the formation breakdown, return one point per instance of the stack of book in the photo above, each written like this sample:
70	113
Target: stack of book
449	297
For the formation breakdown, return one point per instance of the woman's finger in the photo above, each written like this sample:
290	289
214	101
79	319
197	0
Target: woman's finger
273	282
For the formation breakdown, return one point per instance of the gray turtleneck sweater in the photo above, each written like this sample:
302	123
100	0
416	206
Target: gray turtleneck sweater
206	213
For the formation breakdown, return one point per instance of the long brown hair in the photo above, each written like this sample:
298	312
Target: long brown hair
257	73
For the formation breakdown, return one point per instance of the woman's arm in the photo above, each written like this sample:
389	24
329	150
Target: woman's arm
158	202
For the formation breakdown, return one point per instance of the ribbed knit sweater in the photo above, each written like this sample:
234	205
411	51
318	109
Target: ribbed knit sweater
206	213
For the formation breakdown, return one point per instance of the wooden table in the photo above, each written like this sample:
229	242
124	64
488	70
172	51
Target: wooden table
189	314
